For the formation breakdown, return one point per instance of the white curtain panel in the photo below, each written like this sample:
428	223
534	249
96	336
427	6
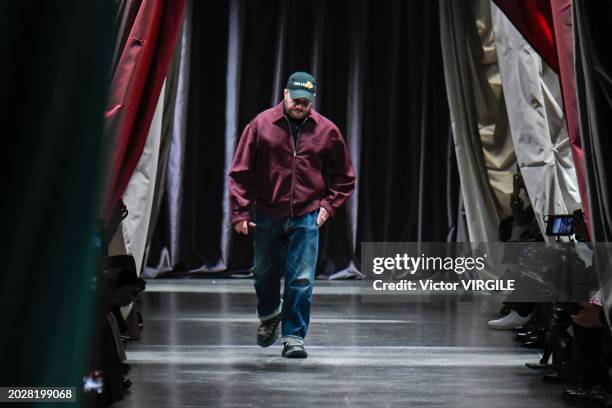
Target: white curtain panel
138	197
463	80
535	111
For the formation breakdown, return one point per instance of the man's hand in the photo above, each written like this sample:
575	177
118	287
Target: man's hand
322	217
242	227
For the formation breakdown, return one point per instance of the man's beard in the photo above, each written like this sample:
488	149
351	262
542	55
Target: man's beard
296	114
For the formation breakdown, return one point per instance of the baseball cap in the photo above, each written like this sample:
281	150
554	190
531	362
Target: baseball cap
301	85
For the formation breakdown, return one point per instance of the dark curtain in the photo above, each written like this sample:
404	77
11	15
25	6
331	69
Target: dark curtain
127	10
593	63
380	79
54	78
594	90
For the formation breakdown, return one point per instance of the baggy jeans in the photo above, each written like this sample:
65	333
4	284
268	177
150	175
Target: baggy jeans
286	247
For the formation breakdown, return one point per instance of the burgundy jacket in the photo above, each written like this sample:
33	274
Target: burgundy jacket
277	178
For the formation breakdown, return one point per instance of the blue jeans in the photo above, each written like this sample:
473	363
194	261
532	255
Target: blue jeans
286	247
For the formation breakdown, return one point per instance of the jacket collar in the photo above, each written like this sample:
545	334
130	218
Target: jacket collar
279	113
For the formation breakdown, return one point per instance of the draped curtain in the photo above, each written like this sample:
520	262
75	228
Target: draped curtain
380	79
537	123
547	26
534	20
134	90
485	153
139	193
564	39
594	94
54	79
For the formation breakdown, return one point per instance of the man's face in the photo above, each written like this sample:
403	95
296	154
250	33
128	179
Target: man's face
297	108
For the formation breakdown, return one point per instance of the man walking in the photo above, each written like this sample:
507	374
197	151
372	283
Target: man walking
290	173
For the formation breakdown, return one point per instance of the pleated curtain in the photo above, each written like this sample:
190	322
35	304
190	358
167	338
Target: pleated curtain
537	123
484	149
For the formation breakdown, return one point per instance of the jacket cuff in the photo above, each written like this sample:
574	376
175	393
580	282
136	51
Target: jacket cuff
240	217
328	208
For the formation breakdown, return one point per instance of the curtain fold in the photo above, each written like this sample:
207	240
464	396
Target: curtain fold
126	14
139	193
474	110
594	94
134	91
534	20
54	84
173	119
537	123
593	64
497	145
235	43
355	106
547	26
390	105
564	39
186	234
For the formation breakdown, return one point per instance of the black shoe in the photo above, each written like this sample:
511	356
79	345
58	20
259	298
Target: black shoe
294	350
520	336
531	327
267	333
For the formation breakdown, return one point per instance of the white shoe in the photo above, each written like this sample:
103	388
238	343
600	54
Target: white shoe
510	321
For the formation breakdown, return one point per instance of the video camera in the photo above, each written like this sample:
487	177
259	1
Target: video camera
567	225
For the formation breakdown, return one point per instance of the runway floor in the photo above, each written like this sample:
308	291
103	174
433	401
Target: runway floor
198	350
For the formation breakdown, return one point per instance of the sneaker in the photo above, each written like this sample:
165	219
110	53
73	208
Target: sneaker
268	332
509	322
294	350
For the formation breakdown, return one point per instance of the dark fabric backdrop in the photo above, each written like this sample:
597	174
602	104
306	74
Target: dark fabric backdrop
594	95
594	91
380	79
54	83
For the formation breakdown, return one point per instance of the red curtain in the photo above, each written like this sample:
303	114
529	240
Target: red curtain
533	18
135	89
564	38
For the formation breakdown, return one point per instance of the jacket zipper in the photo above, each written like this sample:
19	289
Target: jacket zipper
294	144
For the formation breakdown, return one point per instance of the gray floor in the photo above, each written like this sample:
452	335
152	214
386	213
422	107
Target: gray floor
198	350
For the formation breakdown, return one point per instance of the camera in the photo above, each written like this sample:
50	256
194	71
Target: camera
567	225
559	225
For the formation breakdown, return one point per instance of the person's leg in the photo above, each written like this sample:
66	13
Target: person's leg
268	248
524	309
303	243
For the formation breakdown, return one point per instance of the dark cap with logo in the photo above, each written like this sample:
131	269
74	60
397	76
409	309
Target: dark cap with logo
301	85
